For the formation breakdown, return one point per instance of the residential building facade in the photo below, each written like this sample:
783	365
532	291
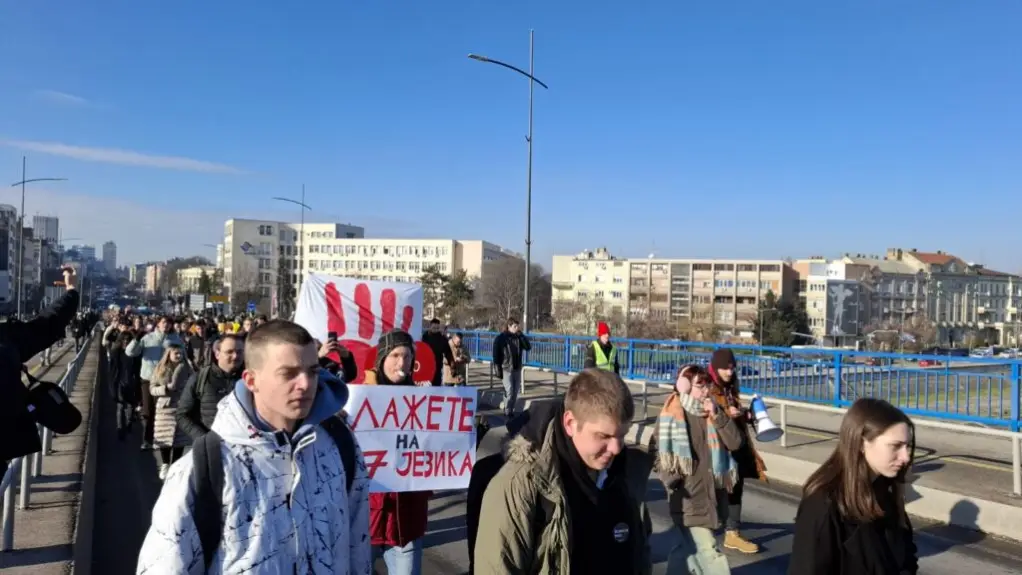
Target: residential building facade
959	299
724	293
155	278
110	257
46	228
189	279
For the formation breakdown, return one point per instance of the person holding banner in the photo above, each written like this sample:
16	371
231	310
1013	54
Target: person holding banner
570	497
397	520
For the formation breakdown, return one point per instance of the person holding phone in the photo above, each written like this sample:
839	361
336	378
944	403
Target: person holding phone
337	359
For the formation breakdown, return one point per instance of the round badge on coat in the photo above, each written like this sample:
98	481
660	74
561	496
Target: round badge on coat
621	532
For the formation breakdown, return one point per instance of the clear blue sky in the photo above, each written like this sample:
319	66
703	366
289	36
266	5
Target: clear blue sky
704	129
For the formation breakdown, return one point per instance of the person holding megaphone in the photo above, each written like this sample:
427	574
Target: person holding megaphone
725	393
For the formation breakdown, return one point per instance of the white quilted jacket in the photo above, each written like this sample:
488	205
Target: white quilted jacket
286	506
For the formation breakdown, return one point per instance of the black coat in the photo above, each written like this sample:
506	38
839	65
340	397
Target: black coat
828	544
197	406
19	342
123	378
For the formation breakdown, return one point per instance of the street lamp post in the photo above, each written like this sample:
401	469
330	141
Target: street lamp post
21	230
301	238
528	190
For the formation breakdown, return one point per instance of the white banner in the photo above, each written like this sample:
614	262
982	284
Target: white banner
415	438
359	312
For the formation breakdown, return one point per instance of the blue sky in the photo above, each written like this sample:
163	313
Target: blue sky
692	129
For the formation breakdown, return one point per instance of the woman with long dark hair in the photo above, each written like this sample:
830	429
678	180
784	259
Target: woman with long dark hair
852	518
726	392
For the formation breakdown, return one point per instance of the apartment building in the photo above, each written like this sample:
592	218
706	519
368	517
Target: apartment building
726	293
46	228
836	296
188	279
136	273
254	252
110	257
155	278
958	297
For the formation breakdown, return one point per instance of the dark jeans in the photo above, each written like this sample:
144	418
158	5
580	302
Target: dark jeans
734	506
169	455
148	413
124	412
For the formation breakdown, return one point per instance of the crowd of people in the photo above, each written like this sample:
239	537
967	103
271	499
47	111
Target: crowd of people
276	481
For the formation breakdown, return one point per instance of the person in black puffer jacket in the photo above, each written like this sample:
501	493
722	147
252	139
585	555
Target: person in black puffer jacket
125	385
197	407
19	342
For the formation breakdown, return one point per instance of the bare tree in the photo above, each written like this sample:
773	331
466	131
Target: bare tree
647	327
245	287
577	317
500	290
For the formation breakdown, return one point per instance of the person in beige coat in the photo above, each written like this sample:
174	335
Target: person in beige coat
456	373
168	381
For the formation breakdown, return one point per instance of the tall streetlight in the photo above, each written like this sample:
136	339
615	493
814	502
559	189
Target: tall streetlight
528	190
301	234
21	231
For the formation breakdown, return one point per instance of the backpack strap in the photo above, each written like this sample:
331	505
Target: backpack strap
345	440
208	485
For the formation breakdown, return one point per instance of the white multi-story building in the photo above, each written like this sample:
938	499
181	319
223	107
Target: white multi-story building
110	257
255	252
188	279
725	293
837	296
957	297
46	228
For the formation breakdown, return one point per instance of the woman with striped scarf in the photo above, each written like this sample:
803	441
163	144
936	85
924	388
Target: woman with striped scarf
693	442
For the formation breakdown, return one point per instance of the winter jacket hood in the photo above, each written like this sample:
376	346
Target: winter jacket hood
331	395
287	508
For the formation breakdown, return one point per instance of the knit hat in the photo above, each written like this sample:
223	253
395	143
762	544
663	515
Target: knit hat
602	328
722	358
388	343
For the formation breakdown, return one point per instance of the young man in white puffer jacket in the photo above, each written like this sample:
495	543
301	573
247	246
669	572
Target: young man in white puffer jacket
286	504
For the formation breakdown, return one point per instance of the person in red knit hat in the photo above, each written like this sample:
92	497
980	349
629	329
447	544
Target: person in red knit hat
602	354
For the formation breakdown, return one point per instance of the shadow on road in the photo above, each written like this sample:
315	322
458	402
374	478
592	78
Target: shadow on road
127	485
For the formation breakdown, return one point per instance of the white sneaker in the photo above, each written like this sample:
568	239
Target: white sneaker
163	471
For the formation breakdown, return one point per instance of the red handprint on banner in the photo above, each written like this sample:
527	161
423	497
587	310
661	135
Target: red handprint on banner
361	350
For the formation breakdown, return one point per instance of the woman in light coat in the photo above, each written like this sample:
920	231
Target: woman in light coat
169	379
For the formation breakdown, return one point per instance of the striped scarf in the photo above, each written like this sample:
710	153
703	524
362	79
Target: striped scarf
674	450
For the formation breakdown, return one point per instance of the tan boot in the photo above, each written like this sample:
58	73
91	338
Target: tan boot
734	540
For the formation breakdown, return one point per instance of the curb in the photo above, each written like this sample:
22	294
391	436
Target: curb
944	507
982	515
81	555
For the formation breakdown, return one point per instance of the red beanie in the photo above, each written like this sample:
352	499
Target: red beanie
602	328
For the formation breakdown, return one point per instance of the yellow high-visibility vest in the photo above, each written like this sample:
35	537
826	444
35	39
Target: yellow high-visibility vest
604	361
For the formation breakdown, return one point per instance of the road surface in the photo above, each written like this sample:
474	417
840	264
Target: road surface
127	488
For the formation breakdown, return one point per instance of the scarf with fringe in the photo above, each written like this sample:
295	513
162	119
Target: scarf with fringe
674	450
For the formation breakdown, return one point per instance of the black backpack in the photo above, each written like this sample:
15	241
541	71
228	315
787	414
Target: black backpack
208	481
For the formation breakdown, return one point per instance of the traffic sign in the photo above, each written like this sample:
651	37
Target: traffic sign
251	306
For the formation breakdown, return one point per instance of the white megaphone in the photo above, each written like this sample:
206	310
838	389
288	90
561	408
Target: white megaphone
766	429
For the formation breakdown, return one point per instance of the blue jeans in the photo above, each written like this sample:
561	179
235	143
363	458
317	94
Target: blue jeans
405	560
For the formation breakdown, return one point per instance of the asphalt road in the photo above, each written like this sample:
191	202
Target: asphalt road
769	515
127	488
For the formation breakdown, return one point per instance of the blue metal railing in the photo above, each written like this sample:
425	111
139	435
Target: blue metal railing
970	389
